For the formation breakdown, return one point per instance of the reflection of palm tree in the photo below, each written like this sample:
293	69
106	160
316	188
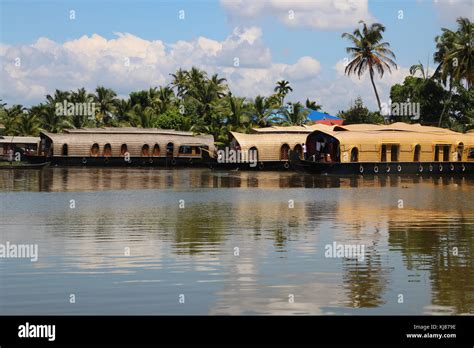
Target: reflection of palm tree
452	276
365	280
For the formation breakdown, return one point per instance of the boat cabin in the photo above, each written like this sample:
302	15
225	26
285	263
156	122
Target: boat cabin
398	142
116	145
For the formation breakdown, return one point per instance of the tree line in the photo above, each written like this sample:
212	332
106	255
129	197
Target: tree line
197	102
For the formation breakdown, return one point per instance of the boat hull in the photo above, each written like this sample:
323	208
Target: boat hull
120	161
383	168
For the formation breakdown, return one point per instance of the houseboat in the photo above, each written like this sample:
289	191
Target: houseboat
125	147
264	148
398	148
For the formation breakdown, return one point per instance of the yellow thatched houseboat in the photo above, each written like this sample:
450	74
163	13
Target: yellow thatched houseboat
396	148
125	147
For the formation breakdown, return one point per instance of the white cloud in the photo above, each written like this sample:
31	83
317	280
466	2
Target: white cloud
450	10
322	14
90	61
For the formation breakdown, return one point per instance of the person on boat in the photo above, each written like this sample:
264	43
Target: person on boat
303	145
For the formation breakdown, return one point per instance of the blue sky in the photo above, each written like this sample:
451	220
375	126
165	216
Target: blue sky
259	33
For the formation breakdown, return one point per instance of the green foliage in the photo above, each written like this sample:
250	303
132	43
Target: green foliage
427	92
358	113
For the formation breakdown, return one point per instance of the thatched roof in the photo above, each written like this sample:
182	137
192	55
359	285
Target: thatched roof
7	139
80	141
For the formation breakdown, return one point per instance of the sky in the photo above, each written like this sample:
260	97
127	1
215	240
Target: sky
132	45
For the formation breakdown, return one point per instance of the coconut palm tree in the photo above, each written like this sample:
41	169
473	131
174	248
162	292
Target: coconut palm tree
104	99
455	55
421	68
262	111
220	85
11	117
28	124
294	115
311	104
162	99
50	120
180	82
369	53
283	88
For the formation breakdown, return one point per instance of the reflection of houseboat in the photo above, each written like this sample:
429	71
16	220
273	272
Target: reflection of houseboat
397	148
125	147
269	147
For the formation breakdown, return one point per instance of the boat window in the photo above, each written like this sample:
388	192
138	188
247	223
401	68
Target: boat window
383	154
95	150
123	149
394	153
470	154
107	150
197	150
253	154
436	153
459	152
145	150
299	150
65	150
285	148
446	151
169	149
416	155
185	150
156	150
355	154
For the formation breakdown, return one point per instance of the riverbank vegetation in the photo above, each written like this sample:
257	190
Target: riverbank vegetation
199	102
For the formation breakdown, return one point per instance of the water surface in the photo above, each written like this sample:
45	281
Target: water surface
182	227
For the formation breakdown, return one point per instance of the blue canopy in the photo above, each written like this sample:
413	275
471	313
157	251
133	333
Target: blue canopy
318	116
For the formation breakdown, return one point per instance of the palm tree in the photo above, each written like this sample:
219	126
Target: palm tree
81	96
142	117
220	85
261	111
161	99
455	55
105	99
122	108
419	67
295	115
311	104
50	120
10	118
369	53
283	88
28	124
238	116
180	82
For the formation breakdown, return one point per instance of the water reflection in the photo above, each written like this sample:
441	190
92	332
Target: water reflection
409	250
100	179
